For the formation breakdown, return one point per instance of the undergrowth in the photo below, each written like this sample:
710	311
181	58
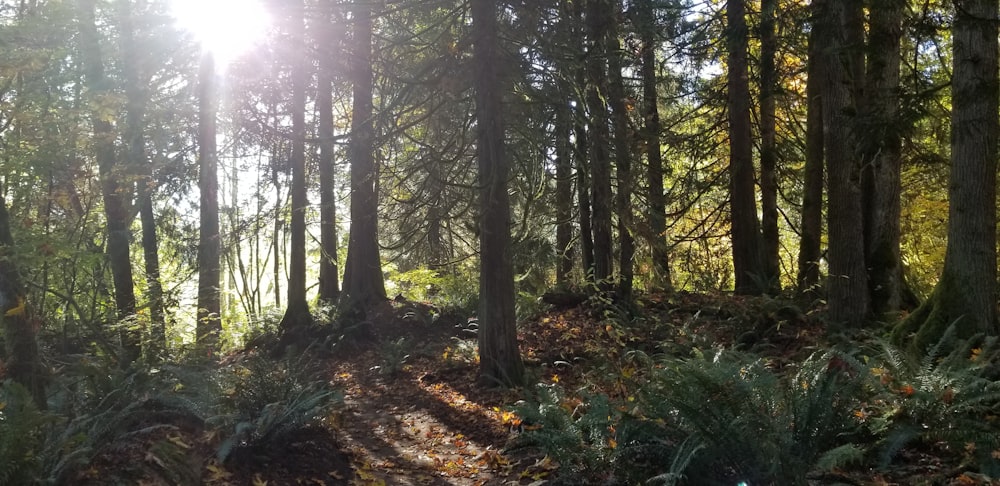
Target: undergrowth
142	422
729	417
265	401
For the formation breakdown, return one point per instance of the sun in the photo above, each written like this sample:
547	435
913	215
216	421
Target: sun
226	28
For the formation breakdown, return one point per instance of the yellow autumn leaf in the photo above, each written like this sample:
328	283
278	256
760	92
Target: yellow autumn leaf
178	441
218	473
612	443
257	481
18	309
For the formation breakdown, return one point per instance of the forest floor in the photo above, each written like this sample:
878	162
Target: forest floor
413	413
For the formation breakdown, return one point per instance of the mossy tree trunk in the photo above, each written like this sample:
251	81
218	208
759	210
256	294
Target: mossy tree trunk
966	293
881	146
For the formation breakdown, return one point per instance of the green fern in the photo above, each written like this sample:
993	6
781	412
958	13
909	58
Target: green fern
577	435
278	420
947	397
750	423
266	401
21	433
107	410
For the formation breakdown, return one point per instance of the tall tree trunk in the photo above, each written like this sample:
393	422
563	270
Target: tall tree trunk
599	15
768	149
20	330
745	232
297	313
966	294
363	282
209	323
564	193
574	12
500	361
135	125
114	194
848	283
581	158
810	243
277	238
623	158
657	209
881	156
329	288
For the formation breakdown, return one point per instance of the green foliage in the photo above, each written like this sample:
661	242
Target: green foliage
393	355
462	351
273	423
948	398
22	428
100	410
751	422
579	435
419	284
711	419
109	411
266	401
454	290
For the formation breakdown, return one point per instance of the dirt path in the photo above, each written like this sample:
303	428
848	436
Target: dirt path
413	414
407	429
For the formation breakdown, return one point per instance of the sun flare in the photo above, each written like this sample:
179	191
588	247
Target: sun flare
226	28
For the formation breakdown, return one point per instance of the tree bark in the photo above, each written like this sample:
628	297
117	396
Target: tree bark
575	12
599	16
500	361
882	159
657	210
329	288
20	330
745	231
135	125
581	157
768	148
848	282
115	195
564	194
209	323
623	158
297	315
363	282
966	296
810	243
